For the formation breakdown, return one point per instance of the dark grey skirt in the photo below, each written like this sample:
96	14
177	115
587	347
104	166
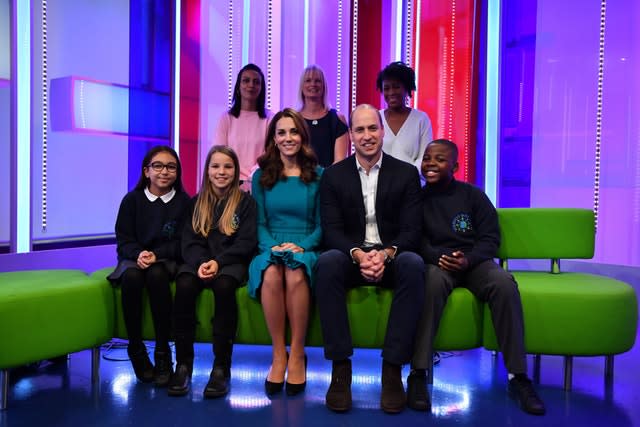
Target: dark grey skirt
116	275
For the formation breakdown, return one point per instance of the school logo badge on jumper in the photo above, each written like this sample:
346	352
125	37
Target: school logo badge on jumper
169	229
235	222
462	223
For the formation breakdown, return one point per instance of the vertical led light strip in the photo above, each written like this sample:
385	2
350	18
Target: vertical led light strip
305	57
21	100
246	26
492	100
339	58
230	54
45	116
596	182
176	77
269	50
397	51
354	54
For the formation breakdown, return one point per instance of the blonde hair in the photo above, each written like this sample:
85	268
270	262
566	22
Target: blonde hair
207	201
313	69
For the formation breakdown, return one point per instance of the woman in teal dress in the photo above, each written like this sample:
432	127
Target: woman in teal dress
281	275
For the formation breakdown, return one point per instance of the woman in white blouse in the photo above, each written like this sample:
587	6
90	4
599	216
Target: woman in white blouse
407	131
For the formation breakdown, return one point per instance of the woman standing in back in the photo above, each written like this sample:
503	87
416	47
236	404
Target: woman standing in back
244	126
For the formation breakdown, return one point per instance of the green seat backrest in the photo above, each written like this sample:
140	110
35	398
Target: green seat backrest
546	233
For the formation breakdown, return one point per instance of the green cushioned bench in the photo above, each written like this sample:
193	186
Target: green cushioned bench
565	313
49	313
368	309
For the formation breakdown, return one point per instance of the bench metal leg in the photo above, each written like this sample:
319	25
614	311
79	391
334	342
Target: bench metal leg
95	365
4	388
568	372
537	358
608	371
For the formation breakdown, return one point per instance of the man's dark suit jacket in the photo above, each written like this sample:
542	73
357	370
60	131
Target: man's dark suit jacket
398	205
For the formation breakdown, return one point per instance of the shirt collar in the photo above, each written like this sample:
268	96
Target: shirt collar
165	198
376	165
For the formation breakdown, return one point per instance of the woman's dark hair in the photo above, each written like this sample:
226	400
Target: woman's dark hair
270	162
143	181
260	102
398	71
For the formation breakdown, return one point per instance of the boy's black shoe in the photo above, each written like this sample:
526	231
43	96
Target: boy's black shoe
521	389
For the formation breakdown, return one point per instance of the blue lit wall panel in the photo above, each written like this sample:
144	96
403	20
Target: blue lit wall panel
518	55
149	79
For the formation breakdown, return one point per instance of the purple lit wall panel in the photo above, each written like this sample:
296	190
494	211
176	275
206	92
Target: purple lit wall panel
292	53
86	173
87	259
323	48
618	240
5	158
564	119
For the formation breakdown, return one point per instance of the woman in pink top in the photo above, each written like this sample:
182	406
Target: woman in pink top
244	126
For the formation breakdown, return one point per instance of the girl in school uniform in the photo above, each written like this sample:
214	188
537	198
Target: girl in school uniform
217	245
148	230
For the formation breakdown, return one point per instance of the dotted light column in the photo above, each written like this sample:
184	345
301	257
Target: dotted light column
230	54
339	59
45	115
354	55
452	51
408	36
596	183
269	50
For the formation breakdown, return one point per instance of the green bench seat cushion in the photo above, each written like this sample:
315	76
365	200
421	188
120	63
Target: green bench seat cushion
573	314
368	310
49	313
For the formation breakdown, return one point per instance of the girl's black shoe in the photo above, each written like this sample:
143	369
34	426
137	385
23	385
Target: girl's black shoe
218	384
141	364
180	381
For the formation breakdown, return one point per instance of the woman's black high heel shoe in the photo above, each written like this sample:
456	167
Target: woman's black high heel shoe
271	388
293	389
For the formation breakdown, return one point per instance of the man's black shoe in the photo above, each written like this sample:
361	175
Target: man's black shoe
338	396
417	395
393	398
521	389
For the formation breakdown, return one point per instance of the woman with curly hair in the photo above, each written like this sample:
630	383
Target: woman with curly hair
286	192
